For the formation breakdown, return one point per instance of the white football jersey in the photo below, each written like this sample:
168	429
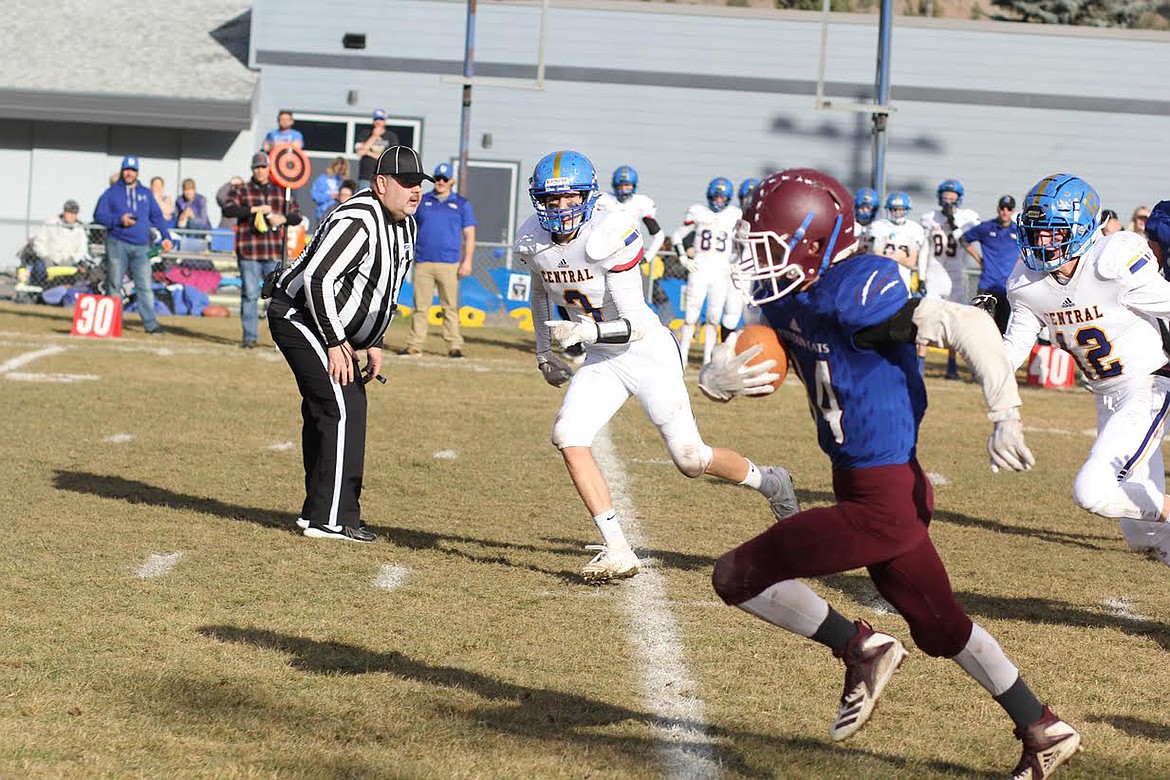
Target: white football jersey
639	207
944	251
888	238
1105	316
574	281
865	234
714	235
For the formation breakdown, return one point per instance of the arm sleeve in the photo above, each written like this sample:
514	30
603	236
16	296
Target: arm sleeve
320	192
972	333
625	288
468	214
541	313
103	212
652	225
1147	291
341	249
1019	338
234	205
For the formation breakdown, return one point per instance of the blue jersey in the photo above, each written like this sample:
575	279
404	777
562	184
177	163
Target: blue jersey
867	403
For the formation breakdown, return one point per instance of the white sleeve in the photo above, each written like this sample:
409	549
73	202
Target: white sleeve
541	313
1146	290
1019	338
972	333
625	288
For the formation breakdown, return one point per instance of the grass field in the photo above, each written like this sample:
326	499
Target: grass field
162	618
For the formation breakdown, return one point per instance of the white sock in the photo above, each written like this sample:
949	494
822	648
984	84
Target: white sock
754	478
790	604
611	530
688	332
985	661
710	333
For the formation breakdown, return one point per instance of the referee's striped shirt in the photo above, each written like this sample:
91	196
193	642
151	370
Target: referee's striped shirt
349	276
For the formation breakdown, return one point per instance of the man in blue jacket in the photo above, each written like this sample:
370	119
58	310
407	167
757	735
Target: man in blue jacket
128	210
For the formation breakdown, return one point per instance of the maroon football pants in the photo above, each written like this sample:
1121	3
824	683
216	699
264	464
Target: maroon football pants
880	522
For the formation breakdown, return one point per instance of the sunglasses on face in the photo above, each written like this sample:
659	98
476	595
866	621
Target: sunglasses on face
442	178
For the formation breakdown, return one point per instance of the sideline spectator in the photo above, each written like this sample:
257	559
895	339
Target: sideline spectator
998	252
443	252
370	146
260	208
1110	222
60	241
325	188
284	133
166	204
1137	222
344	193
128	211
338	298
221	198
192	208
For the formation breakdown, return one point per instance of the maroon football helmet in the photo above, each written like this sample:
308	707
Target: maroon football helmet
800	222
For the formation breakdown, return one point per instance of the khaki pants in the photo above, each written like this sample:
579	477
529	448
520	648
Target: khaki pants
427	276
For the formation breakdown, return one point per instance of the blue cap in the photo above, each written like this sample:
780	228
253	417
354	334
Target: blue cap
130	161
379	113
443	171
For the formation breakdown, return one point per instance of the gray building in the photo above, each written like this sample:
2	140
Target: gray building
682	93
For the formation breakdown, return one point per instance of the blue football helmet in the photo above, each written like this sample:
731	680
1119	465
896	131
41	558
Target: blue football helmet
625	182
865	205
951	185
1060	202
1158	226
556	174
720	187
898	201
746	188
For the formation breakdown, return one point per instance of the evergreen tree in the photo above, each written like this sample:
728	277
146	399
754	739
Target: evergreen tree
1090	13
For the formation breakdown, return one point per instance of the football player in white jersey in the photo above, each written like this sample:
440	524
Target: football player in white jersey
944	227
865	218
1099	298
588	264
641	208
903	241
709	263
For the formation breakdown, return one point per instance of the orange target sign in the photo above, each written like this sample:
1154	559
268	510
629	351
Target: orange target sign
289	166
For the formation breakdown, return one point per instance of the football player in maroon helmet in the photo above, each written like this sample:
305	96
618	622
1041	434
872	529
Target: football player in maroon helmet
851	330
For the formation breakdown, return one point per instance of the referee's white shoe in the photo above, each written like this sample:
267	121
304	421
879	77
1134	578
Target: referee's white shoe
346	533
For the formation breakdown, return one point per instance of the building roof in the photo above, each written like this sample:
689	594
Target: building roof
128	62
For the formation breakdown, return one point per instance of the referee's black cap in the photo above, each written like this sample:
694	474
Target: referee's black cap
402	162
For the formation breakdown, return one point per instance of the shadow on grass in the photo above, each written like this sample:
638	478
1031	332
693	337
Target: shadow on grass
1029	609
556	716
1085	541
135	492
1134	727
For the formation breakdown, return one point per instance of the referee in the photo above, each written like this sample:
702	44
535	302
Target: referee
338	297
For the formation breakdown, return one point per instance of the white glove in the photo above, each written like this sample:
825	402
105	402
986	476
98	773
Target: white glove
1007	448
728	375
555	372
566	333
688	263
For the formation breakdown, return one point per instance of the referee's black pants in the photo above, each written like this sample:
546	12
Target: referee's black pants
333	436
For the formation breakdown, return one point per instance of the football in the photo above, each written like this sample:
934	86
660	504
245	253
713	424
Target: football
215	310
773	350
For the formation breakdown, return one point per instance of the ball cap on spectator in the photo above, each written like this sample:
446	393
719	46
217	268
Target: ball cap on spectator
403	163
130	162
71	206
1007	202
379	113
260	160
443	171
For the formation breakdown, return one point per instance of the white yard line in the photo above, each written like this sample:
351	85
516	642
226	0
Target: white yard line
686	748
281	446
118	438
445	455
391	577
158	565
22	360
1122	608
937	479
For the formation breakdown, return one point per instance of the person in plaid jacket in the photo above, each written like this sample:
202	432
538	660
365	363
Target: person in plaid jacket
261	209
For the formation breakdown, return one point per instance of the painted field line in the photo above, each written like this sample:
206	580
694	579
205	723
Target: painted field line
23	376
281	446
1090	432
118	438
1122	608
445	455
937	479
158	565
391	576
22	360
687	750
